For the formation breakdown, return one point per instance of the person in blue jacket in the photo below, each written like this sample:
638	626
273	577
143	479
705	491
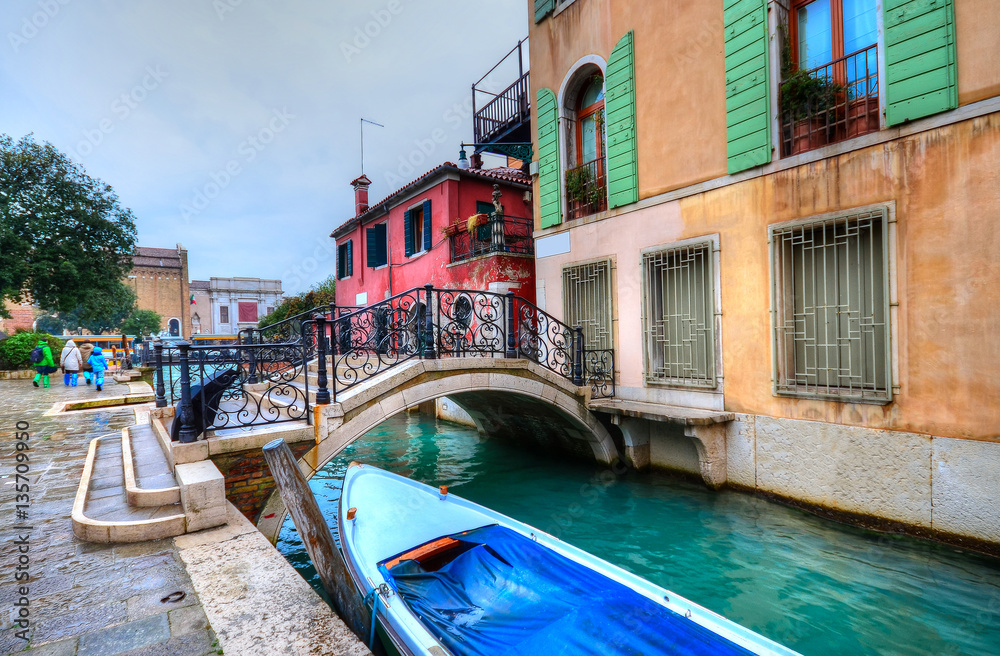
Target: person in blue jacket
98	365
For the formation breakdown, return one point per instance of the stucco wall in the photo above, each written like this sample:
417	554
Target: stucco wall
680	74
945	189
451	200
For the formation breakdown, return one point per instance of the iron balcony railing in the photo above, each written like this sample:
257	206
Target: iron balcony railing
507	110
506	234
830	103
586	189
265	383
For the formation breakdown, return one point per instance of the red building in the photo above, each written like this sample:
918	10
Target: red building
441	229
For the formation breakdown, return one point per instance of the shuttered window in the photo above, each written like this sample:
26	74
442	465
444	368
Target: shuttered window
376	249
920	60
549	200
417	229
620	108
748	114
543	8
345	259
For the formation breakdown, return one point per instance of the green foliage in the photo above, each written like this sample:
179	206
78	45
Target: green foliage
581	186
142	322
804	95
15	351
101	311
64	236
50	324
322	293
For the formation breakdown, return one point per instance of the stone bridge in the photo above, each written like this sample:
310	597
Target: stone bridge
515	400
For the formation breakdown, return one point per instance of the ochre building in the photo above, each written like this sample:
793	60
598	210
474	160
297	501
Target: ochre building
793	233
159	278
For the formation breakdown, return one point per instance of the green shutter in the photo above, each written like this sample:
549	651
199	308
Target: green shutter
382	244
921	73
548	159
371	253
407	234
623	186
543	8
748	107
341	262
427	225
350	257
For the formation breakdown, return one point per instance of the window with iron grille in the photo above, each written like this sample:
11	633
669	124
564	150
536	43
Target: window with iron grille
587	302
679	316
830	308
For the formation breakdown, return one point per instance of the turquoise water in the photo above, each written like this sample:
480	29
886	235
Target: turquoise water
819	587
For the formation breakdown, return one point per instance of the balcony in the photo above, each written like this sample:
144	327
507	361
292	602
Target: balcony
830	103
586	189
491	235
503	124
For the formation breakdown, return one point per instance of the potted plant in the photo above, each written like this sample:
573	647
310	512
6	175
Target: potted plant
806	103
862	111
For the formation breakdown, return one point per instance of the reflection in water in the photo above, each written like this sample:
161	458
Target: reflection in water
822	588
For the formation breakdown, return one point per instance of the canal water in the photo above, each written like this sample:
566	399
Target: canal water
819	587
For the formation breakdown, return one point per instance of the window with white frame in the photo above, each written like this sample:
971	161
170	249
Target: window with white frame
587	302
830	307
679	316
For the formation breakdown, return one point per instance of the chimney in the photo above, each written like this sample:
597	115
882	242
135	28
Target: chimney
476	162
361	194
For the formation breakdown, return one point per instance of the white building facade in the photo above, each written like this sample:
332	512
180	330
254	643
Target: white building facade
235	303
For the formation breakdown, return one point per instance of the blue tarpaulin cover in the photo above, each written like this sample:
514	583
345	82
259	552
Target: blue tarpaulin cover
505	594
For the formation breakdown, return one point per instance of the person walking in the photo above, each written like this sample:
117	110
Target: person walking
41	357
99	365
85	350
70	360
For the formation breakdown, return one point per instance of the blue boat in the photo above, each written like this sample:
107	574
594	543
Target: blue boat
448	577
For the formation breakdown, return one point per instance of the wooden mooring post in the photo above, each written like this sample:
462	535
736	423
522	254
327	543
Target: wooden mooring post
316	535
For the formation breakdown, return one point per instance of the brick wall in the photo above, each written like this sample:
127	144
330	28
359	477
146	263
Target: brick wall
248	479
164	291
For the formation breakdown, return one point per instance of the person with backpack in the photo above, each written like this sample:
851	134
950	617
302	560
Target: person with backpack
70	360
99	365
41	358
85	350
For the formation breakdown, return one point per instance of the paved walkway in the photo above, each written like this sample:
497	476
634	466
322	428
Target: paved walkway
83	599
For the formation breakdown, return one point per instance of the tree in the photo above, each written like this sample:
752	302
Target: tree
15	351
142	322
100	312
63	235
322	293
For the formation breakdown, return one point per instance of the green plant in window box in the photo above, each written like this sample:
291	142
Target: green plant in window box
807	100
577	181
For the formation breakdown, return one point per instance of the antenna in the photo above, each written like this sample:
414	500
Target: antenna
363	121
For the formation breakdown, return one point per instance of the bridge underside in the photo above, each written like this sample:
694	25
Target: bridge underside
515	400
526	421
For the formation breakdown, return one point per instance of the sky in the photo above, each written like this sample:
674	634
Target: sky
233	126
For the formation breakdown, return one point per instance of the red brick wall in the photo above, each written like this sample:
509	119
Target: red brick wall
248	479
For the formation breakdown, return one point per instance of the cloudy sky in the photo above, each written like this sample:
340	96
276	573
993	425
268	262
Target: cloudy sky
232	126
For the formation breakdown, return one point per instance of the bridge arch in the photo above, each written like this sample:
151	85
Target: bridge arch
509	399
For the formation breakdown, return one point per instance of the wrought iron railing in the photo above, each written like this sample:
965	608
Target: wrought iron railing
830	103
252	384
507	110
430	323
507	234
263	382
586	189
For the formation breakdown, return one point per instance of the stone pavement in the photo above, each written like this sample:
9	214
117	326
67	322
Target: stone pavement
83	598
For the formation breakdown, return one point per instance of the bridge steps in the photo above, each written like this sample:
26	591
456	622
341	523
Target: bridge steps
132	491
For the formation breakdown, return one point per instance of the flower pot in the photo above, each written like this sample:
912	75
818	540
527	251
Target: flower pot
809	134
862	116
451	230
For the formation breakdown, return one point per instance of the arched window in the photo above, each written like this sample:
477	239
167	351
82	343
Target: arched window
586	186
174	327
